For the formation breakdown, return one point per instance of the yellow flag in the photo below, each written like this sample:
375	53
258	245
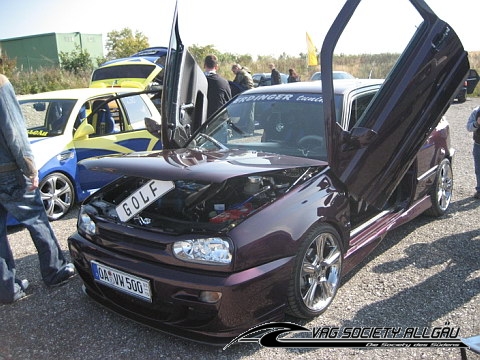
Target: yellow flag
312	52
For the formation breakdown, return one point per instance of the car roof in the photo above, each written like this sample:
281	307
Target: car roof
341	86
265	74
154	51
78	93
334	72
342	74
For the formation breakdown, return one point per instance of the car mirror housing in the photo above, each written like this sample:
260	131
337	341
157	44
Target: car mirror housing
83	130
154	127
357	138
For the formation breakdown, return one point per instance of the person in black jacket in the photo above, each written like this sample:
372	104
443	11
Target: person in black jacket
473	125
219	91
276	79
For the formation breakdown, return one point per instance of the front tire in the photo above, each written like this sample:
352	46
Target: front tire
57	194
442	191
317	273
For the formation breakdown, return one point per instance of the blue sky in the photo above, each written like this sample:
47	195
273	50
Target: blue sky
271	28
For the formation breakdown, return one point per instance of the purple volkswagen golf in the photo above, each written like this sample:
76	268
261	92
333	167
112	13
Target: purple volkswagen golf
263	208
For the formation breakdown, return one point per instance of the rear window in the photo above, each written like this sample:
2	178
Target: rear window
123	72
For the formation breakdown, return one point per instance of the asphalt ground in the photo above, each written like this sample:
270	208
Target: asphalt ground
425	274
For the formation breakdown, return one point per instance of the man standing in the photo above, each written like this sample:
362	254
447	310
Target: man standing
219	91
243	78
20	197
473	125
275	76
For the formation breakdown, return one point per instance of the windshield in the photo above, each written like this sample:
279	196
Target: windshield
45	118
282	123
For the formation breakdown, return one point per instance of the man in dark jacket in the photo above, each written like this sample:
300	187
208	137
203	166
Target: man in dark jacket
473	125
219	91
276	79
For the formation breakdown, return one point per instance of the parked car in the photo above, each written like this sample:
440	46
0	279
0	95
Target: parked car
227	229
468	86
265	79
155	54
133	72
336	75
67	126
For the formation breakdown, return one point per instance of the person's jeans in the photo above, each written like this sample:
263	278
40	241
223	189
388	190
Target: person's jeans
476	160
7	264
27	207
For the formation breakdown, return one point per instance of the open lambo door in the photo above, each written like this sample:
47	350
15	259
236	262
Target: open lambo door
184	96
375	154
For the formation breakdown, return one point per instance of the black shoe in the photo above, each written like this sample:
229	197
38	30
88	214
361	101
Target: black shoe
477	195
63	275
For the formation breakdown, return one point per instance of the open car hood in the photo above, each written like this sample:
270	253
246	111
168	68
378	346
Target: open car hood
187	164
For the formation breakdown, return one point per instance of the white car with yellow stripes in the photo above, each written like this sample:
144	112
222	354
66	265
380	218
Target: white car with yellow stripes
67	126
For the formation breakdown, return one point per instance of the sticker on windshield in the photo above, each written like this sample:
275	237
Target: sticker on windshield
315	98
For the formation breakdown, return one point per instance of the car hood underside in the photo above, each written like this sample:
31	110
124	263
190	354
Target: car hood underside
208	191
185	164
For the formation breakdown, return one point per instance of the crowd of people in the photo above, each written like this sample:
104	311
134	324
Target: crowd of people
218	92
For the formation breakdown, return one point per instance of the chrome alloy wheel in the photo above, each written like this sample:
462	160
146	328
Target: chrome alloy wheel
320	274
57	195
444	186
317	272
442	189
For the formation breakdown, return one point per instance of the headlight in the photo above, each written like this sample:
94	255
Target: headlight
65	155
85	223
215	251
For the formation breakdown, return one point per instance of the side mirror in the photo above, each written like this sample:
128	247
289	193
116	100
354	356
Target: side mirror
40	106
357	138
153	127
84	129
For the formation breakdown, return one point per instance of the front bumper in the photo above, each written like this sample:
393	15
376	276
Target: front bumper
249	297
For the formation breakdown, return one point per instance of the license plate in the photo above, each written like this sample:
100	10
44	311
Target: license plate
130	284
143	197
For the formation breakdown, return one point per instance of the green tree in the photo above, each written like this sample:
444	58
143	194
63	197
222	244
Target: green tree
7	65
226	60
124	43
76	61
199	52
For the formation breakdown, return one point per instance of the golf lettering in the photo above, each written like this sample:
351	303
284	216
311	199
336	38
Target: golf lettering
142	197
139	199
